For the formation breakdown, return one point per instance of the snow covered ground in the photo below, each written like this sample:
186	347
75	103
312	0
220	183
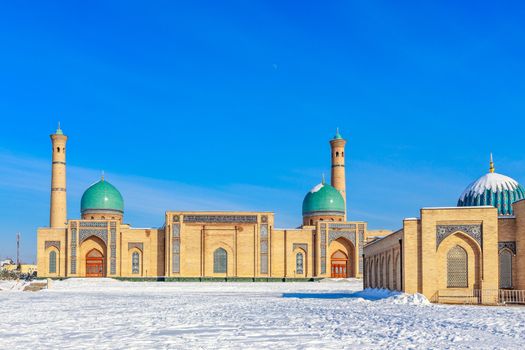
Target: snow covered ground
108	314
12	285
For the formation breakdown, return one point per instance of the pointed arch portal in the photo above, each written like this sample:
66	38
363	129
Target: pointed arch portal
94	263
340	266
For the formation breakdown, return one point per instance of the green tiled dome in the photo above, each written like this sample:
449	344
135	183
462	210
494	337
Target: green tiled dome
323	199
102	196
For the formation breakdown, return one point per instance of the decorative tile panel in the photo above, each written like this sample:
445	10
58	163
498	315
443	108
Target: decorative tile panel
175	248
303	246
343	226
349	235
264	247
511	245
347	231
361	244
323	248
443	231
221	219
74	240
113	248
55	244
93	223
264	231
138	245
86	233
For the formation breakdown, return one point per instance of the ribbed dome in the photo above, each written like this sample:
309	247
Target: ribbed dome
323	198
495	190
102	196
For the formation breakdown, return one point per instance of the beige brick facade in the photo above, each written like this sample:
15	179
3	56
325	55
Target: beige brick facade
428	244
196	244
186	246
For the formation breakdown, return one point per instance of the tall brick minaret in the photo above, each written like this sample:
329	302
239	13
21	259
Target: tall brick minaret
338	164
58	210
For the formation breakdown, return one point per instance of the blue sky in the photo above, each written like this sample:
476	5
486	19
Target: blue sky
204	105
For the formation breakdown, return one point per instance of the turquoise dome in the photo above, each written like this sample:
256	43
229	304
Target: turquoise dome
323	199
495	190
102	196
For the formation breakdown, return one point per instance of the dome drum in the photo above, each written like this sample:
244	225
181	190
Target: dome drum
324	213
100	211
102	214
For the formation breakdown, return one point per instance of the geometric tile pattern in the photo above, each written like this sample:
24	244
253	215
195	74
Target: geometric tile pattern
55	244
221	219
113	248
175	250
511	245
443	231
264	248
74	248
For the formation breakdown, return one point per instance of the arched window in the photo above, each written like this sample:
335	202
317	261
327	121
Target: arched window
337	154
457	268
220	261
135	263
505	269
299	264
58	149
53	262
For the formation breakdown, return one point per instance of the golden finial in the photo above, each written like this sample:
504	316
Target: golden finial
491	169
323	180
102	175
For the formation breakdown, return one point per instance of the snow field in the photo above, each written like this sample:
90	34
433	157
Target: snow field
82	313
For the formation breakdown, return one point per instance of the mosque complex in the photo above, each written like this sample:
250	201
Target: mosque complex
476	247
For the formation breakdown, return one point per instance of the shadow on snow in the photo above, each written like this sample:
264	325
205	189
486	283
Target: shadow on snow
367	294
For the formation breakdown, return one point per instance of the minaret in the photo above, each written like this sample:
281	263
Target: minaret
58	212
338	164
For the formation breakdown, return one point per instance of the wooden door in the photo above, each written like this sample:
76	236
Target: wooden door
94	264
339	265
339	269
